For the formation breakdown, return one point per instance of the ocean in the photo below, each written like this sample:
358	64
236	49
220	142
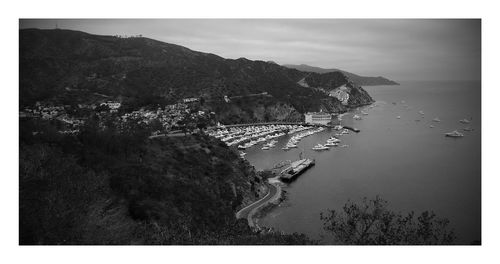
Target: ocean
404	161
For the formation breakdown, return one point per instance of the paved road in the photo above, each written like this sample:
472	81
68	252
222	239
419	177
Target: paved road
251	209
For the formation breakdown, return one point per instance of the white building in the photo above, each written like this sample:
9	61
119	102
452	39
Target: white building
318	118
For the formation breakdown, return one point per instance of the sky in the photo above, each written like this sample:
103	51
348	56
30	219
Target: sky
399	49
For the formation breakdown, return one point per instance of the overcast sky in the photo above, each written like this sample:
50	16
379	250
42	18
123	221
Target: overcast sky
397	49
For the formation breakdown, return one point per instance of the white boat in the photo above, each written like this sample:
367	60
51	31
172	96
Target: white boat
454	134
333	139
357	117
398	117
265	148
331	144
320	147
431	126
436	119
421	112
364	113
464	121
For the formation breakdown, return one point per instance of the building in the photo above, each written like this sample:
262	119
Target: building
190	100
318	118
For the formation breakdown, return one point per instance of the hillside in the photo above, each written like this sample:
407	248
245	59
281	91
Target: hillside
67	66
109	187
360	80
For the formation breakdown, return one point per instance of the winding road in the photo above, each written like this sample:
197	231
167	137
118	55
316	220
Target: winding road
249	211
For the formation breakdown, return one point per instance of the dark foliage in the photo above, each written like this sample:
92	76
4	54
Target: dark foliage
60	64
372	223
109	187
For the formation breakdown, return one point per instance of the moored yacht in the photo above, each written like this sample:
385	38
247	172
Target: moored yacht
454	133
320	147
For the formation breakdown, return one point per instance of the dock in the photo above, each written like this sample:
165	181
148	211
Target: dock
352	129
295	169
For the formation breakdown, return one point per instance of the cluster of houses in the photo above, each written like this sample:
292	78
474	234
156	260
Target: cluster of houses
113	106
169	117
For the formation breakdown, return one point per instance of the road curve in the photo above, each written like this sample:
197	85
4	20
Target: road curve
251	209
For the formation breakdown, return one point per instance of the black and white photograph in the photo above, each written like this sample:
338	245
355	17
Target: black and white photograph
242	134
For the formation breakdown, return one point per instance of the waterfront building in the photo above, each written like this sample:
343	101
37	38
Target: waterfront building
318	118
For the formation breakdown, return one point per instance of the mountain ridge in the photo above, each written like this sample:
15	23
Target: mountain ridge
150	72
360	80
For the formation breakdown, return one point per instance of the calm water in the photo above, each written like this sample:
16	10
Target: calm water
406	162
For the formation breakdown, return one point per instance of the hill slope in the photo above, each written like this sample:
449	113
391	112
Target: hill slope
109	187
360	80
149	72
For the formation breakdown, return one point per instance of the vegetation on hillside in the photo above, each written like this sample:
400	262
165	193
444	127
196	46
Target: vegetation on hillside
108	187
61	64
373	223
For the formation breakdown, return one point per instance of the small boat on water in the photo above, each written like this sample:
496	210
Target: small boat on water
357	117
331	144
320	147
364	113
398	117
454	134
333	140
421	112
464	121
265	147
431	126
436	119
338	127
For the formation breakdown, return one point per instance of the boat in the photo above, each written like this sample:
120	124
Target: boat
265	147
333	139
436	119
331	144
454	134
285	148
431	126
357	117
464	121
421	112
364	113
320	147
398	117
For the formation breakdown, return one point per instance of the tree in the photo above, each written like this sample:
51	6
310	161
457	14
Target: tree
372	223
